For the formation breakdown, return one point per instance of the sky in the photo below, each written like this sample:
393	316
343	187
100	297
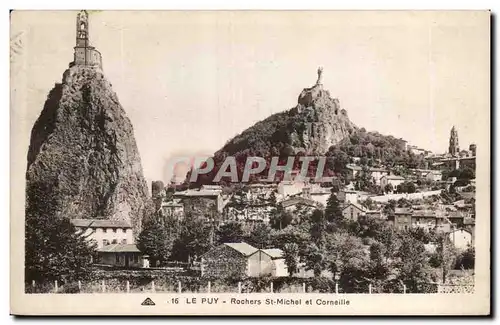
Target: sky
189	81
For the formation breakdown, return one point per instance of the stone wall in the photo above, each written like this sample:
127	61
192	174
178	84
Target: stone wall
224	262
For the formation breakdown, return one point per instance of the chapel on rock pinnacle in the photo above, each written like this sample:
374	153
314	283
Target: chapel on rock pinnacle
85	54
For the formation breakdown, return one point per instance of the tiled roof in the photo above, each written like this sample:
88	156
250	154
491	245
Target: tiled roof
119	248
298	200
456	214
273	252
353	167
172	204
355	205
378	169
99	223
424	213
394	177
199	193
402	211
242	248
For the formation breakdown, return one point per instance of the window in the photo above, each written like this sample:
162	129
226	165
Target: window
136	258
105	242
117	258
124	241
114	241
114	230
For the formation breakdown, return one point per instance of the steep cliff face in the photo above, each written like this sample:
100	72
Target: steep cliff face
313	126
319	121
84	153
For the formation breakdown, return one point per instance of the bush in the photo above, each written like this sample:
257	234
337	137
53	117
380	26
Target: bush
71	287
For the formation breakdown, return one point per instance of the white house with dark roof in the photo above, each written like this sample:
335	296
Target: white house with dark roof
104	232
394	180
291	203
189	196
353	211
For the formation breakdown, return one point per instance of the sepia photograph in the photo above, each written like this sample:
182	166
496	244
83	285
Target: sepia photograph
250	162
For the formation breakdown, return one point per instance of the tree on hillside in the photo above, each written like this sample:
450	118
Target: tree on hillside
353	263
280	218
315	259
318	227
194	239
466	259
363	180
260	236
406	187
230	233
333	213
54	250
297	234
379	269
291	256
390	208
412	264
446	254
154	241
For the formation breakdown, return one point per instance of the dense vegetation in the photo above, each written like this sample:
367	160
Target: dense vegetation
53	248
375	149
355	253
271	137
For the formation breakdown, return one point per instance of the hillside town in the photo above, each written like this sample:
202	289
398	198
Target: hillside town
439	199
390	216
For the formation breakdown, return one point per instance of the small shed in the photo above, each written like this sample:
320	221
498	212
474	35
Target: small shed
121	255
227	260
267	262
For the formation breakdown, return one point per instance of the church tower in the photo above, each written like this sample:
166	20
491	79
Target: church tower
85	54
82	34
454	149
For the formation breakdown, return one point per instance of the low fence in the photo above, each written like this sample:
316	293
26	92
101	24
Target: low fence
158	286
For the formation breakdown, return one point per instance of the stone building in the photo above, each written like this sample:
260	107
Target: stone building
401	219
85	54
393	180
453	148
104	232
239	260
353	212
228	260
121	255
267	262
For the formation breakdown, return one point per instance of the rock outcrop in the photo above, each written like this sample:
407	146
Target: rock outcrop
313	126
84	153
319	121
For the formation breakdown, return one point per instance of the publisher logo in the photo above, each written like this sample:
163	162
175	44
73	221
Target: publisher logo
148	302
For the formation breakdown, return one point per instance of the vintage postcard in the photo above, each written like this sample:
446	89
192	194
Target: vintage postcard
250	162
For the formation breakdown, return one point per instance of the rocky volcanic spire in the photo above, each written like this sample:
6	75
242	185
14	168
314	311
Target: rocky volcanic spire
82	150
313	126
324	122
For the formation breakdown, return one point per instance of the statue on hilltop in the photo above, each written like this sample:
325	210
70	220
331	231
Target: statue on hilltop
320	76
